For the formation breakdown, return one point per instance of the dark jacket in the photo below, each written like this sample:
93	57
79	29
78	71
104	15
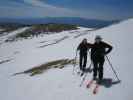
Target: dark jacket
83	48
99	50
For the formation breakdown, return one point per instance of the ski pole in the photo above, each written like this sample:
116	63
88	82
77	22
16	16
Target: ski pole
112	68
74	62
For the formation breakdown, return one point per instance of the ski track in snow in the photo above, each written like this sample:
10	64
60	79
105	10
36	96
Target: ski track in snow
54	42
5	61
60	84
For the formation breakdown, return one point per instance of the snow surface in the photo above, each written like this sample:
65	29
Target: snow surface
60	84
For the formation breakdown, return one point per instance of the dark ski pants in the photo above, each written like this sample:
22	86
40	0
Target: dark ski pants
83	61
98	68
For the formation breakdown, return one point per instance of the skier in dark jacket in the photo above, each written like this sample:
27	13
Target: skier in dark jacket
98	52
83	49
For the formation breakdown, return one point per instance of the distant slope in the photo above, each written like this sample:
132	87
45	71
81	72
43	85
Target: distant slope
91	23
33	30
8	27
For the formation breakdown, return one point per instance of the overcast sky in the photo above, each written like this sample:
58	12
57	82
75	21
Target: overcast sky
92	9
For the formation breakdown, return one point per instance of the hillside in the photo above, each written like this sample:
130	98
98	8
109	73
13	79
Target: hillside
84	22
14	32
61	84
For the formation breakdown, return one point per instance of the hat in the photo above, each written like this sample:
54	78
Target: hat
98	37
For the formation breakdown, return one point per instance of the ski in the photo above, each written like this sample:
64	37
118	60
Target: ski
83	79
89	84
96	88
95	91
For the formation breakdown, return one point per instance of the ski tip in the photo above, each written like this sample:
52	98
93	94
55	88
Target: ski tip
94	92
87	86
96	89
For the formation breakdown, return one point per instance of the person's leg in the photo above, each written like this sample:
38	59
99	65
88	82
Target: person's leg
95	69
101	63
85	62
80	61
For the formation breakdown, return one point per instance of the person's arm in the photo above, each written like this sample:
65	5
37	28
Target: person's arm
89	46
109	48
79	46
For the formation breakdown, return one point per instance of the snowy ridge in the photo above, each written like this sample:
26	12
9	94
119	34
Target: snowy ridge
12	34
60	84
